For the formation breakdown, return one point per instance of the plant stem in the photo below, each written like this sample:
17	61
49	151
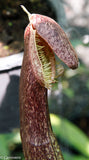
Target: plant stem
37	137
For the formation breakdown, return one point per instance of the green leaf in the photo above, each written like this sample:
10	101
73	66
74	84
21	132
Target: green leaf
70	134
68	156
8	140
3	146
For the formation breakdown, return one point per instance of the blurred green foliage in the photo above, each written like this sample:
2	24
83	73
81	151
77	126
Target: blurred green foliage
70	134
64	130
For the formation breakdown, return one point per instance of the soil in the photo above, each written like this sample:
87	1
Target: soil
13	21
